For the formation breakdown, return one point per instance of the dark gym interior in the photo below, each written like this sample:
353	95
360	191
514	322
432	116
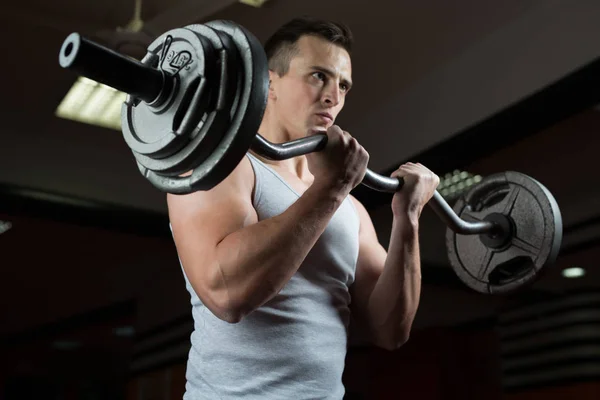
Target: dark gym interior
93	303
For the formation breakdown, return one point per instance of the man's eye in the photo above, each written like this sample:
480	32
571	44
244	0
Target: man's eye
319	75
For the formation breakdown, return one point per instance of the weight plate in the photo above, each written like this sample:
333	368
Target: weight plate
208	120
492	264
246	115
155	130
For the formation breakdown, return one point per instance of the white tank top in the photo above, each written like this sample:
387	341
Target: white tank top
294	346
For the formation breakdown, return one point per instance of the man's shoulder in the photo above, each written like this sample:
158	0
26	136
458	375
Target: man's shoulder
237	186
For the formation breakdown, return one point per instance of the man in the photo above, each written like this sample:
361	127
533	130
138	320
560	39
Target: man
279	256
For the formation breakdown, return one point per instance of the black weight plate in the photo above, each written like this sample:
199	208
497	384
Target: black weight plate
533	246
209	120
248	111
246	116
155	130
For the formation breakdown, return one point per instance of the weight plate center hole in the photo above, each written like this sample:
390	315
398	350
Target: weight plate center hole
68	49
501	234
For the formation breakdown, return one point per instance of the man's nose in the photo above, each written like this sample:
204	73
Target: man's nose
331	96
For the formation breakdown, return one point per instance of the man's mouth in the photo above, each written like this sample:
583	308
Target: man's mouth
326	116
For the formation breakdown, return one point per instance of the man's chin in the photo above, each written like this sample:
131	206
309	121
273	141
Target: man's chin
316	130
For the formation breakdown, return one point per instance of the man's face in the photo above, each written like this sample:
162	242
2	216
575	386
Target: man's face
308	98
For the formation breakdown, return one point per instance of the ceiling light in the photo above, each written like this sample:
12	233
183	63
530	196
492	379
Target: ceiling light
573	272
455	183
124	331
93	103
4	226
254	3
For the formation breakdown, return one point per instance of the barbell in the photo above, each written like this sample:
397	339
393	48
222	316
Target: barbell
195	103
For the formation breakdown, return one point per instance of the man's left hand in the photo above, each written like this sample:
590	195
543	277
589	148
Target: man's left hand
419	186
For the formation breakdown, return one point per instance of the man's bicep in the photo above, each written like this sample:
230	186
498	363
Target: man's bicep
201	220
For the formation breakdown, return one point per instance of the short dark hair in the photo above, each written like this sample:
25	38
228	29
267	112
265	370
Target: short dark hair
281	46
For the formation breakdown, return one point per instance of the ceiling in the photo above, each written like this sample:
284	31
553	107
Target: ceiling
425	73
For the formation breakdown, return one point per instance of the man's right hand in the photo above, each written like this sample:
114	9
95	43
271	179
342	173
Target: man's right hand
342	164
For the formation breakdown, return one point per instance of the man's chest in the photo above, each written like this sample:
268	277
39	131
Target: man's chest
299	185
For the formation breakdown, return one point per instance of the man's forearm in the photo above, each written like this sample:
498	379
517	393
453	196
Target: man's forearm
255	263
395	298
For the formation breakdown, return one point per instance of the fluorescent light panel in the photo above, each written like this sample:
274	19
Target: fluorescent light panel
4	226
455	183
92	103
254	3
124	331
573	272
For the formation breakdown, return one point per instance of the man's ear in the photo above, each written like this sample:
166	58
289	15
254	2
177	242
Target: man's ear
273	78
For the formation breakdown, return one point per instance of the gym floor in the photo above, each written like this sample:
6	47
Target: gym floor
92	299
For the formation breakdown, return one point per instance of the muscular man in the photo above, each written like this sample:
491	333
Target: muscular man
279	256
